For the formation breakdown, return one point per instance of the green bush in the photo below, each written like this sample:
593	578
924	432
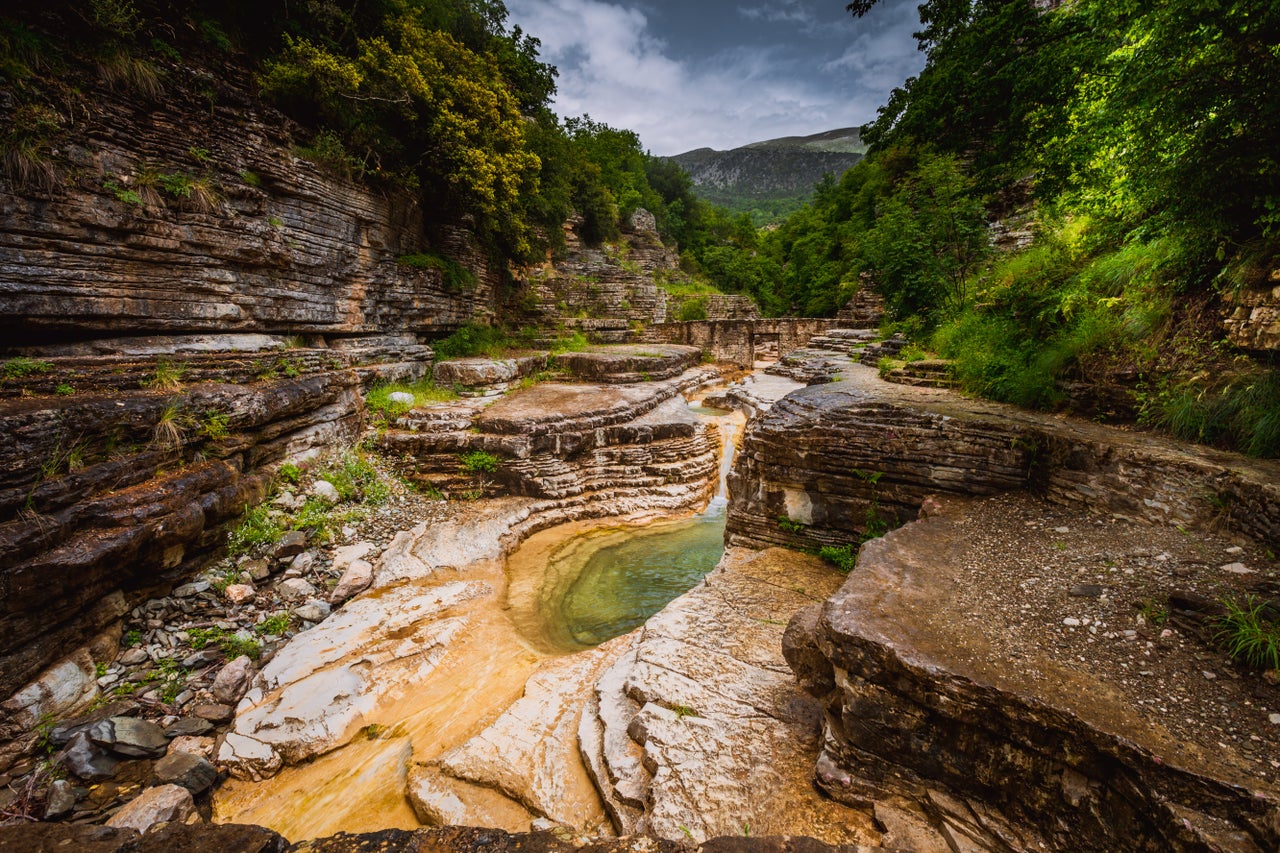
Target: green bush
16	368
259	527
472	340
693	309
455	276
479	462
1250	631
424	392
843	557
1240	412
356	479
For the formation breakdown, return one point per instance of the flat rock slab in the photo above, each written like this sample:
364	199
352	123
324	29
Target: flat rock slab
629	363
530	753
561	407
487	372
930	684
702	724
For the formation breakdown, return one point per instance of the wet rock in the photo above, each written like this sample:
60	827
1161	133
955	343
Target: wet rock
326	491
239	593
293	542
313	611
162	804
214	712
188	770
86	760
356	579
531	750
130	736
295	589
62	799
233	680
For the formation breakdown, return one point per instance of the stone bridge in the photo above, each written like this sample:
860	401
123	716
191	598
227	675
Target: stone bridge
739	341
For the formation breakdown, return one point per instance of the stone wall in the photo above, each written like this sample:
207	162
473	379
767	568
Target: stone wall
1253	316
733	341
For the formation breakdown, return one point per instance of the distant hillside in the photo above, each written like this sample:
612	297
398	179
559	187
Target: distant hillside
772	178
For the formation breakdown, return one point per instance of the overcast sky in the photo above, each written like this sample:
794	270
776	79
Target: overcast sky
688	74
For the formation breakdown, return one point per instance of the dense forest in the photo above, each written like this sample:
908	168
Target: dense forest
1133	143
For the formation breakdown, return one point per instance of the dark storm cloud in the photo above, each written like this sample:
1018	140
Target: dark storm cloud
723	73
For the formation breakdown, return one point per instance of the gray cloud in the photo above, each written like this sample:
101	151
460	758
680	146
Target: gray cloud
720	74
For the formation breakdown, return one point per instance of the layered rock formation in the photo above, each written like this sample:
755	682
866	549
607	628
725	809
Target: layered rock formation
699	729
834	458
274	243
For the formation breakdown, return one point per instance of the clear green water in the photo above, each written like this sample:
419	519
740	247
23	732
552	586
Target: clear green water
625	581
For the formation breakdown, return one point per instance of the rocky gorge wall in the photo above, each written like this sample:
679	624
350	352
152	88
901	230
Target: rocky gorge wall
263	241
186	302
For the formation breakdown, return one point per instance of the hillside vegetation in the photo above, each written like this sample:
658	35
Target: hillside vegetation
1134	141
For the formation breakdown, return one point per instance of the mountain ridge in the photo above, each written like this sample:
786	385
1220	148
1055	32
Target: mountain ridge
772	177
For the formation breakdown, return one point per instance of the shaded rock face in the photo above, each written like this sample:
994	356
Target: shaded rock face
82	543
1253	316
835	458
212	838
1028	755
285	247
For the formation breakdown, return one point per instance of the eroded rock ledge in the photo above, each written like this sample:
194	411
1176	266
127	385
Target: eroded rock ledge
1000	745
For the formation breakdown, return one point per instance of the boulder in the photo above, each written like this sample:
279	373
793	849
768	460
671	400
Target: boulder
130	736
214	712
233	680
61	800
259	570
313	611
356	579
239	593
188	727
295	589
326	491
248	758
193	772
292	543
402	398
161	804
346	555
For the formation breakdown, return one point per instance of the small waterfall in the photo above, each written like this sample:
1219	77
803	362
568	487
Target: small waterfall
729	427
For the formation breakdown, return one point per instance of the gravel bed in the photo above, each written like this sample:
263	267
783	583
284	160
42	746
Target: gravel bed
1111	597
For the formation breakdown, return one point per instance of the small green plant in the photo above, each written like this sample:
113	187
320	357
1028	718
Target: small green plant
44	730
1153	611
16	368
424	392
64	390
275	625
575	342
472	340
259	527
250	178
289	473
132	638
123	194
100	668
275	222
200	155
167	376
479	462
693	309
885	366
170	430
234	646
843	557
788	525
1250	631
290	368
356	479
197	191
682	711
373	731
214	426
454	275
